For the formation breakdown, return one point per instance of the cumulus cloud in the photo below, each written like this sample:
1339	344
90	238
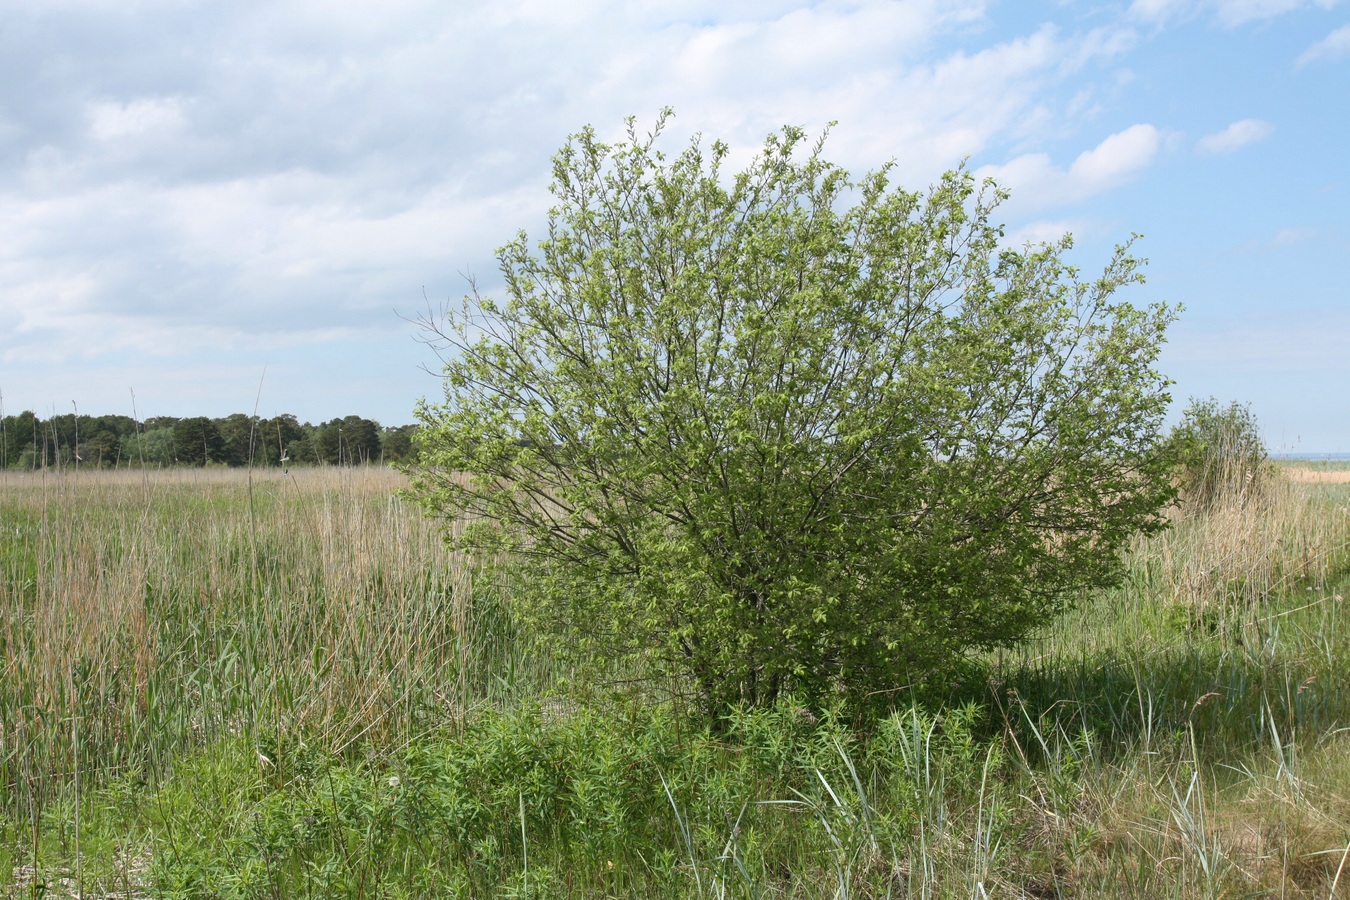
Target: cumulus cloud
1115	159
1234	137
309	164
1036	182
184	179
1333	46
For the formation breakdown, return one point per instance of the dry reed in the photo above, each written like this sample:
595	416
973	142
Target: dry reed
142	611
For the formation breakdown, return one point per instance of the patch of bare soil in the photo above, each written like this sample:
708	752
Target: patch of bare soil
1317	476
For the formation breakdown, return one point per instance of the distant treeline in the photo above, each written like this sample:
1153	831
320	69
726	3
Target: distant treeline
30	442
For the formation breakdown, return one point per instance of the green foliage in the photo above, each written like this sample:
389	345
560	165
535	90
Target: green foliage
198	441
348	441
237	440
103	449
781	431
1220	454
153	446
396	443
17	434
240	435
516	797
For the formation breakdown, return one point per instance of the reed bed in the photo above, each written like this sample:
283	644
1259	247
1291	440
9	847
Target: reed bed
144	613
219	684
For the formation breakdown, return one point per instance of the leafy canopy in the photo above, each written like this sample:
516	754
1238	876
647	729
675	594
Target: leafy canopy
780	430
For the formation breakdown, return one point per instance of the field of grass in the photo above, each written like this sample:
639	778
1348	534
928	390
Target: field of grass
224	684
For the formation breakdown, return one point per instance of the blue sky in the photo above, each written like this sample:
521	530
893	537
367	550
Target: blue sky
194	194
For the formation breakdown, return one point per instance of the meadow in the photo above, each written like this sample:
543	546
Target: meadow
226	683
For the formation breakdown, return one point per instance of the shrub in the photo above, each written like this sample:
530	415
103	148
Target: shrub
1220	455
782	431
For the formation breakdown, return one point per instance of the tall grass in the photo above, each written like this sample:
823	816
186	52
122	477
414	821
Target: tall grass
217	687
142	614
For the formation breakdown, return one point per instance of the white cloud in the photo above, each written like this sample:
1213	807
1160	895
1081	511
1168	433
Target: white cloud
110	121
1333	46
1239	12
1230	13
1262	343
1293	236
1289	236
1160	10
1234	137
176	177
1036	182
1044	231
1115	158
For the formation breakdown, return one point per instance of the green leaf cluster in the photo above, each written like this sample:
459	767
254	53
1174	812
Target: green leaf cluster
781	430
624	805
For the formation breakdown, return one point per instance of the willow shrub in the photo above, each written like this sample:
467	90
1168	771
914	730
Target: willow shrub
783	431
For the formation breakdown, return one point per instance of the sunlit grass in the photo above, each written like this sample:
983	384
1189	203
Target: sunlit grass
150	613
222	684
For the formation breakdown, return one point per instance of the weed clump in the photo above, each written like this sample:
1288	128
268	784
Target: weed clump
1221	457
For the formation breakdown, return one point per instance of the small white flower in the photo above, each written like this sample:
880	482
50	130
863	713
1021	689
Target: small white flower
393	781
